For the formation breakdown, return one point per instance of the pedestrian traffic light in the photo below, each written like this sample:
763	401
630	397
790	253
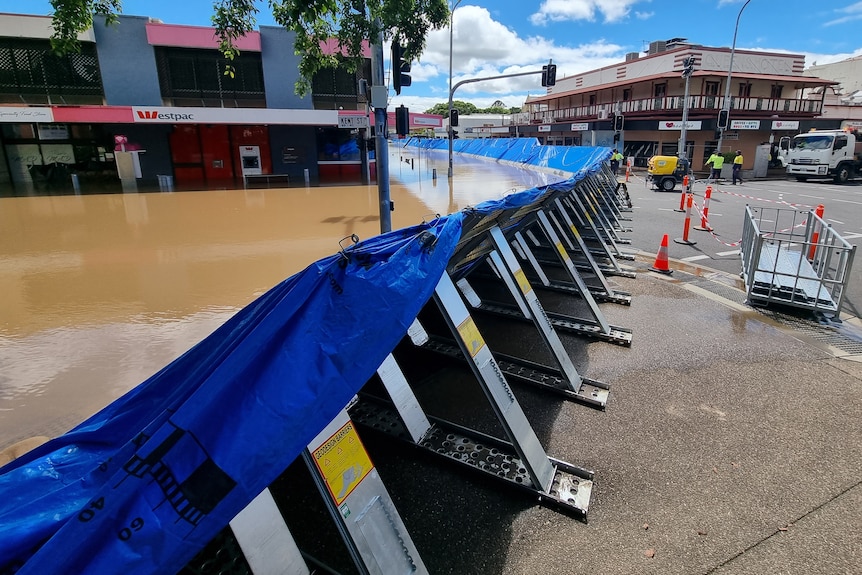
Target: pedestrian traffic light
549	75
400	68
723	118
618	122
453	118
402	120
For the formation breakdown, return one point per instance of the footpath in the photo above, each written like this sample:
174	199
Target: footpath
730	445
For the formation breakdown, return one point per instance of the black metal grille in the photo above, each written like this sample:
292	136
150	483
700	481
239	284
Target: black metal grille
332	88
29	68
188	75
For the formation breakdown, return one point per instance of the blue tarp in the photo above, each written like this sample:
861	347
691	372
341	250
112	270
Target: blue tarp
525	151
146	483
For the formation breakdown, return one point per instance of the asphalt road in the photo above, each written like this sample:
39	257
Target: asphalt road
656	215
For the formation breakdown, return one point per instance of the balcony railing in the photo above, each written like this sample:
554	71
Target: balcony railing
671	105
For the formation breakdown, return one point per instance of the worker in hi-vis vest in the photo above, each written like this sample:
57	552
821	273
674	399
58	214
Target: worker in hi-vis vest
717	161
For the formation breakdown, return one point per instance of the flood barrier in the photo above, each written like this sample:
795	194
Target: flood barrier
151	481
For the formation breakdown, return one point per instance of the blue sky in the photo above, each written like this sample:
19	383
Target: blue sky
508	36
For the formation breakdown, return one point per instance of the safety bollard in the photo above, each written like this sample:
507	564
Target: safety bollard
684	239
704	223
683	194
628	171
815	236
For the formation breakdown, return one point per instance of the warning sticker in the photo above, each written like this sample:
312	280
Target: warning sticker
470	336
563	253
523	283
343	462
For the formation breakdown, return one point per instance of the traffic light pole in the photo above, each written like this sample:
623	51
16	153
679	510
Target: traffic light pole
471	81
689	68
379	97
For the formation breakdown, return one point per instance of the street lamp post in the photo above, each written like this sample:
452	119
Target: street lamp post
726	104
451	18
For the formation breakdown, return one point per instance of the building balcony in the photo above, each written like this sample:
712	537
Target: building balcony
671	106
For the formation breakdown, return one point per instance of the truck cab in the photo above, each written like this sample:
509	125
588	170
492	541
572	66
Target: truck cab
835	154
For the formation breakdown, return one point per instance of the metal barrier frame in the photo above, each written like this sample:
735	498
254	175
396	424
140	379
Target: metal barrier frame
793	257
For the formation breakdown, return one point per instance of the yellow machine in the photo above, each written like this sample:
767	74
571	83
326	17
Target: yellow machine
665	172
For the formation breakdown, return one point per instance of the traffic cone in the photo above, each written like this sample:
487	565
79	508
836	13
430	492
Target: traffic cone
660	264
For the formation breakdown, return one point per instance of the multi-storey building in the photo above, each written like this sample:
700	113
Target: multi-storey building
769	97
144	99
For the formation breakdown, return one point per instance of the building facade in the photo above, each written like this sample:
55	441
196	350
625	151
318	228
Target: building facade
144	100
769	97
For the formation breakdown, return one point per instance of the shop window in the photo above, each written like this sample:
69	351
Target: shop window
337	145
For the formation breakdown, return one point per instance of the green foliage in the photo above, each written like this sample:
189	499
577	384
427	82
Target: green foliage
466	108
316	22
71	17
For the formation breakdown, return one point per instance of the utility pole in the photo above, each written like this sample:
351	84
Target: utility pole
724	114
379	101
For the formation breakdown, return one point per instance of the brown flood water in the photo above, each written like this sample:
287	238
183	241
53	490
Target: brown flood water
98	292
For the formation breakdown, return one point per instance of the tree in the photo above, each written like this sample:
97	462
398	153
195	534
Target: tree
442	109
349	22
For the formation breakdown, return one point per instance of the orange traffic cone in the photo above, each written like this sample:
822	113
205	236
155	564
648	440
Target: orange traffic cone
660	264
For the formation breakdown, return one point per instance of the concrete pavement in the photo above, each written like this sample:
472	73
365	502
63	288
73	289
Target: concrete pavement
730	445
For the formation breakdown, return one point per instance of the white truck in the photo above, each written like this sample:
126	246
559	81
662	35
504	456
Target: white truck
835	154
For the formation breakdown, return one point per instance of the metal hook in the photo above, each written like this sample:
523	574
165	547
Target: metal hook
342	250
436	217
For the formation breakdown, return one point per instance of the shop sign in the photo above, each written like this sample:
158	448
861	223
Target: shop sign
545	128
785	124
175	115
745	124
584	127
53	132
694	125
22	114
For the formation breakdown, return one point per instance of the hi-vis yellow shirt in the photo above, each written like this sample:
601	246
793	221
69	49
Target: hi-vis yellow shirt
738	159
716	160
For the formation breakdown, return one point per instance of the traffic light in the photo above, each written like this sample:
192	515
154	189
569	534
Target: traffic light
402	121
688	67
400	68
618	122
453	118
549	75
723	118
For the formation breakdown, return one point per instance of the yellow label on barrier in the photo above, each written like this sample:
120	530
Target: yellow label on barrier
523	283
575	231
471	337
563	253
343	462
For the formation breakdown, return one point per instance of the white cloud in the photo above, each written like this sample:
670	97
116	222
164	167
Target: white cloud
644	15
853	12
565	10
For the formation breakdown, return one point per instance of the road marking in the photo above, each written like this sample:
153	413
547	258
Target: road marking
695	258
732	253
666	210
852	236
849	202
836	221
814	197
